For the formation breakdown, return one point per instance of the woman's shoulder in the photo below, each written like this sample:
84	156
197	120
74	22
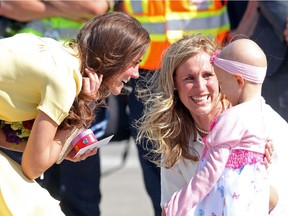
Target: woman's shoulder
20	36
28	42
27	37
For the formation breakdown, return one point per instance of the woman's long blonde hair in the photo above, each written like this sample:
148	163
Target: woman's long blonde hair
166	122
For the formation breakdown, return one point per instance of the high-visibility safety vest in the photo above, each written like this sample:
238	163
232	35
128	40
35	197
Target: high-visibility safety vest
168	20
58	28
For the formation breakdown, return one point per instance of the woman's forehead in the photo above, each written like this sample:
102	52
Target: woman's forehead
197	62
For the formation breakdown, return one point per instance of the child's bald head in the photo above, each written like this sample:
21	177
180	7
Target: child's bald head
244	51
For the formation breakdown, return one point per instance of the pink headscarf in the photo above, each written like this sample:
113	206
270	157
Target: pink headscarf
248	72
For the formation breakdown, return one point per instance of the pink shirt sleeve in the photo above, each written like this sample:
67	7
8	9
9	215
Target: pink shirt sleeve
225	134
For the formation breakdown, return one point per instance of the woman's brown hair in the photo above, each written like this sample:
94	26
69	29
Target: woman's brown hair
107	44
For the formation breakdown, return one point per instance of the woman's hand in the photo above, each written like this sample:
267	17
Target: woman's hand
273	199
79	10
79	158
268	153
91	84
286	31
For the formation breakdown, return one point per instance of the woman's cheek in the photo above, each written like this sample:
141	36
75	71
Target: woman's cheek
213	84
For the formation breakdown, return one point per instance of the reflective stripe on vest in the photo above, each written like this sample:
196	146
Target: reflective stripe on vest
167	21
57	28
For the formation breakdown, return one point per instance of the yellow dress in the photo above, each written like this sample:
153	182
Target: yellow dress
21	196
35	74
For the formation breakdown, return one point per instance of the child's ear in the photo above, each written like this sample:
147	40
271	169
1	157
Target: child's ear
240	80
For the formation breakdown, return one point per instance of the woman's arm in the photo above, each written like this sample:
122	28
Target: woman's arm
11	146
29	10
248	21
46	141
286	31
273	197
42	148
81	10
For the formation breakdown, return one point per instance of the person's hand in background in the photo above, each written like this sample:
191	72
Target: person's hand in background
286	31
80	10
29	10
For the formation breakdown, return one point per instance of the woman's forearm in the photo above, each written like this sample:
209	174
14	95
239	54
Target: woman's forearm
28	10
249	19
80	10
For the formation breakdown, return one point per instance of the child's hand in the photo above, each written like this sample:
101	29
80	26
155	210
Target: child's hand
268	153
91	84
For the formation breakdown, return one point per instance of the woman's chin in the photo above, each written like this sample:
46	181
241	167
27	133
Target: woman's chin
116	91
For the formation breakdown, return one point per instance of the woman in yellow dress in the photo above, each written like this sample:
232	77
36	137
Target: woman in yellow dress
56	88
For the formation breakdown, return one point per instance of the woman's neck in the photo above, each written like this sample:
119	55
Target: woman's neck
202	123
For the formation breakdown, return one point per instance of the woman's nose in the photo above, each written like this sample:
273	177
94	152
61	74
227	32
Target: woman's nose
135	73
201	84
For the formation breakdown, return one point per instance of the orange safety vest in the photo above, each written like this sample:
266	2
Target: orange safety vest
168	20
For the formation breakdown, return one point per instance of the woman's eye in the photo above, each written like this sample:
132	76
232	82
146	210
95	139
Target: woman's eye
137	63
190	78
207	75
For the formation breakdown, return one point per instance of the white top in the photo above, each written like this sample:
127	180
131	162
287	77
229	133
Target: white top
179	175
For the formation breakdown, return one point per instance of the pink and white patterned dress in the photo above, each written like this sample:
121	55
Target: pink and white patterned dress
231	179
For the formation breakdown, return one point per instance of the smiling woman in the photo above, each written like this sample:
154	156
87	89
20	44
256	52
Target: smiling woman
185	86
185	93
54	85
115	49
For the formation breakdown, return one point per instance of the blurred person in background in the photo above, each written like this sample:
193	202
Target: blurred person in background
167	21
286	31
236	9
23	12
265	23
